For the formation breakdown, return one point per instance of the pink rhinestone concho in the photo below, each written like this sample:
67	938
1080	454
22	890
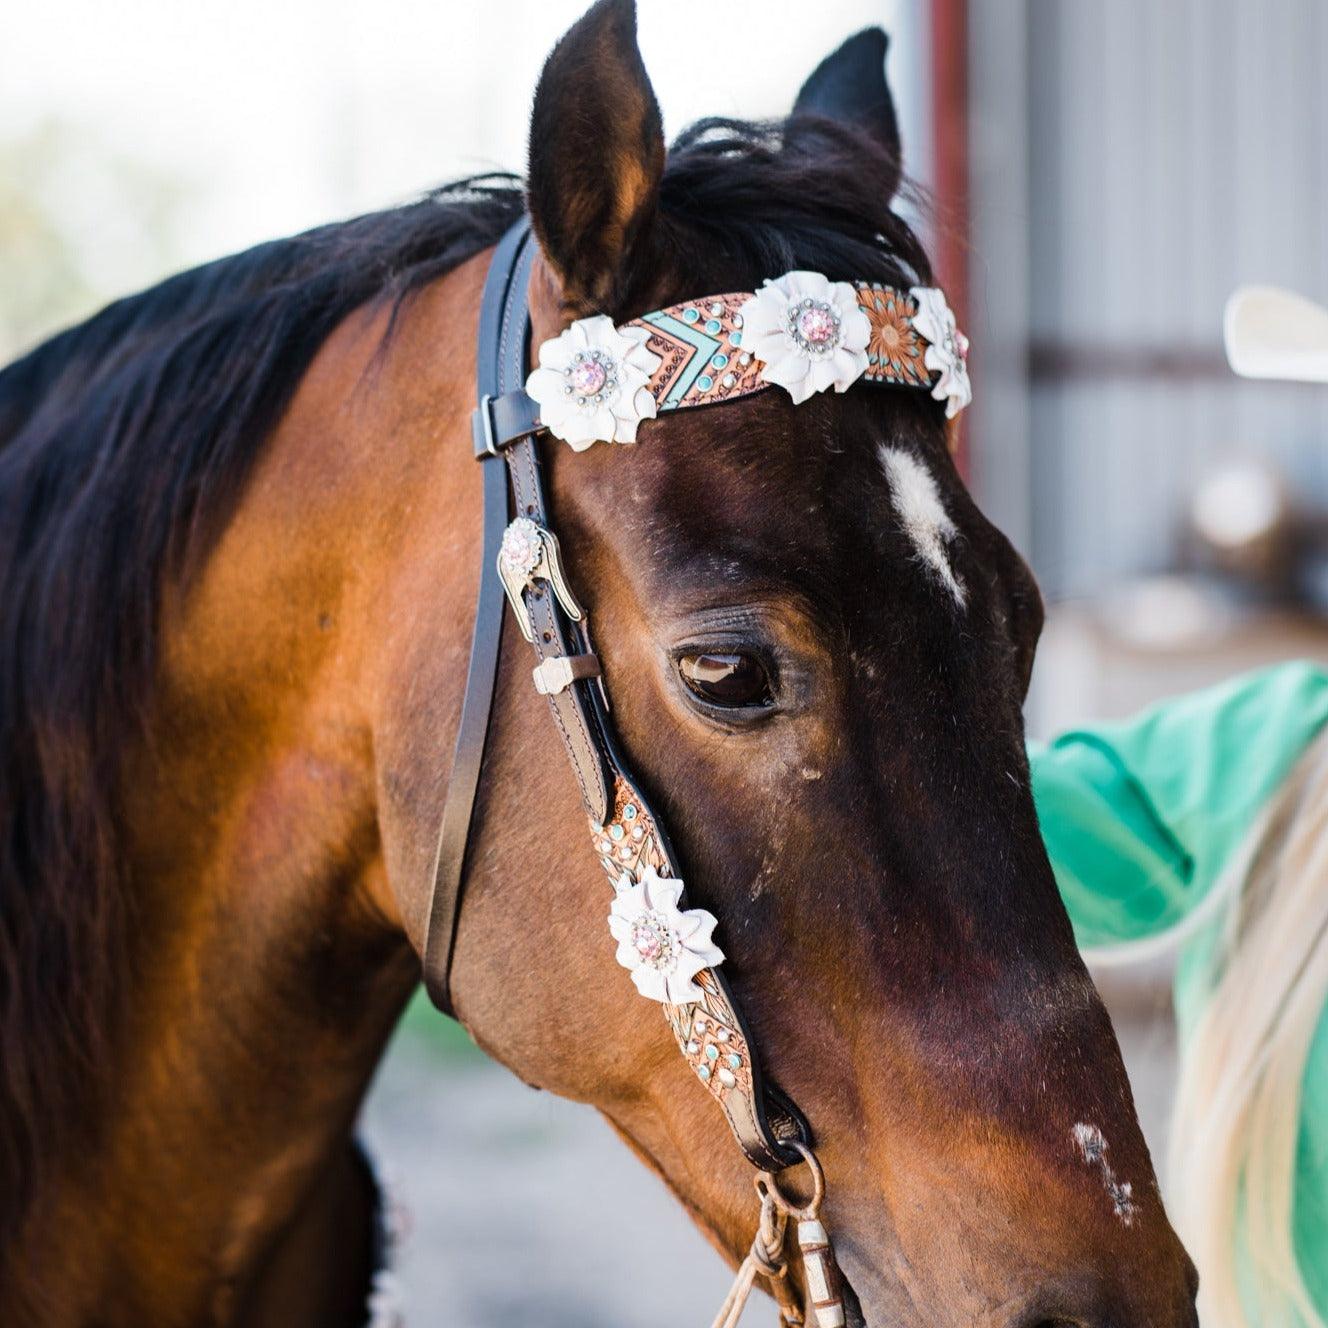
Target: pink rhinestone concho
592	377
814	325
654	941
522	547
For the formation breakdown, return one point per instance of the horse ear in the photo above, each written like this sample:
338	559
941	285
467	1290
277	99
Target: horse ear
596	157
849	86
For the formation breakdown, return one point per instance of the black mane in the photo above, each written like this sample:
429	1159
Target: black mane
125	444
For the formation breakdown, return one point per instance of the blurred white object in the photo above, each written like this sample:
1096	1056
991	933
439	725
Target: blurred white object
1239	504
1274	333
1165	613
1243	520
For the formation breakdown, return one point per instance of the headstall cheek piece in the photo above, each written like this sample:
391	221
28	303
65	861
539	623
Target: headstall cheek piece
597	382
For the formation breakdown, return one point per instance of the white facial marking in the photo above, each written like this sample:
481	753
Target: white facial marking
917	501
1092	1146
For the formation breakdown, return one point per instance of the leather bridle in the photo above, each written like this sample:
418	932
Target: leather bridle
596	382
767	1125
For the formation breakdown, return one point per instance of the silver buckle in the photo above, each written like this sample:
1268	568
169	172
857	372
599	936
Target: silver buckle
530	554
485	444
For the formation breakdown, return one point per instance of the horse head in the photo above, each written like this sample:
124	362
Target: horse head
241	523
817	649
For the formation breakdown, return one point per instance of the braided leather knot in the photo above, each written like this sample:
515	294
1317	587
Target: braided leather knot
766	1257
768	1244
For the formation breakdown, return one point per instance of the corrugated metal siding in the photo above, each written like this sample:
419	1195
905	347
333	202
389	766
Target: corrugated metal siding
1174	150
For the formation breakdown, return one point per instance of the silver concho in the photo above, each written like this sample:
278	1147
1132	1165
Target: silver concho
592	378
529	553
522	548
814	326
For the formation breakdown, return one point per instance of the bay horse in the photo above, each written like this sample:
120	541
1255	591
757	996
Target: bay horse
239	522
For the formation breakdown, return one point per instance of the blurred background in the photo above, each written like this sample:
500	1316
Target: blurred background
1102	176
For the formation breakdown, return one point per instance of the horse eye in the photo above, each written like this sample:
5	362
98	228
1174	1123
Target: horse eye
727	680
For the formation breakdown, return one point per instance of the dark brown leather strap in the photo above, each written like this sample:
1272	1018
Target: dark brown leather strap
500	421
766	1122
503	322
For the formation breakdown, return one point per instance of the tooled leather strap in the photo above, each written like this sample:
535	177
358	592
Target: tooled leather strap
711	1033
702	359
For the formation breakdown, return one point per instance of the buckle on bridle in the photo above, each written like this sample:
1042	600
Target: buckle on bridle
498	422
482	430
529	554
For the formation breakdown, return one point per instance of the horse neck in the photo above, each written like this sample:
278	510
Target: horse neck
269	958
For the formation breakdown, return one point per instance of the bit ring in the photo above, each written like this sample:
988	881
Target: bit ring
768	1187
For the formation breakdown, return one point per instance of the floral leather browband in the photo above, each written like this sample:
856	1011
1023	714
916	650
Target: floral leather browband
596	382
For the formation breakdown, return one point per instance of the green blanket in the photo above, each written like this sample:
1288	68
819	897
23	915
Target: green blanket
1140	819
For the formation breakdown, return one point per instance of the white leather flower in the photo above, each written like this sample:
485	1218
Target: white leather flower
808	332
947	349
593	383
662	946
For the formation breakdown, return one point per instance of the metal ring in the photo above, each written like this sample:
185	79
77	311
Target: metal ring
768	1187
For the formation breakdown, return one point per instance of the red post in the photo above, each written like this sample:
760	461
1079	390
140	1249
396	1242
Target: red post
949	110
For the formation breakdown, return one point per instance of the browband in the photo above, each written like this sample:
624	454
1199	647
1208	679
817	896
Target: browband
597	382
802	332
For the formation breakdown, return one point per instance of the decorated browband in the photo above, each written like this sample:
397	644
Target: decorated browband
803	332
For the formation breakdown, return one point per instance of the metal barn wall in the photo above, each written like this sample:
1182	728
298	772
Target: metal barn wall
1134	160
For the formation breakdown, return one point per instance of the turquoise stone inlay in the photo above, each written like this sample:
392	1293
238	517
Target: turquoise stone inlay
713	325
704	1073
629	812
704	383
734	1062
719	361
712	1052
703	345
616	832
691	315
735	338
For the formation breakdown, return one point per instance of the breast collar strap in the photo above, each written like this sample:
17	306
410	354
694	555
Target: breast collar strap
505	435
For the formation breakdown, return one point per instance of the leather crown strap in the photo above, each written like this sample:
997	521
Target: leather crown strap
505	426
